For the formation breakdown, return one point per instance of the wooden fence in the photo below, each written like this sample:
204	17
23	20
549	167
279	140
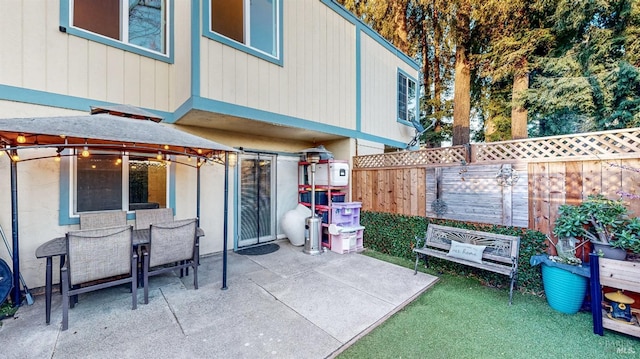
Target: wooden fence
461	182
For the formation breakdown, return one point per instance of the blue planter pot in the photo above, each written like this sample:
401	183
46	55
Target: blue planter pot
565	291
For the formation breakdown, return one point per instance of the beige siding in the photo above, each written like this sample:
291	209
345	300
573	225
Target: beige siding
379	86
45	59
316	81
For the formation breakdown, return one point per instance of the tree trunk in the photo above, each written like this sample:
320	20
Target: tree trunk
400	20
462	81
437	80
518	112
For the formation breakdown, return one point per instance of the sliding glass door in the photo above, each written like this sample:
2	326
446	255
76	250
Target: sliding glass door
257	199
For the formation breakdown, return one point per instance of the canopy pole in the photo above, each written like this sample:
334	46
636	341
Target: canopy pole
225	226
198	192
15	295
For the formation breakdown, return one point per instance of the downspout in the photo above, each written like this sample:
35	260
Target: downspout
225	229
15	295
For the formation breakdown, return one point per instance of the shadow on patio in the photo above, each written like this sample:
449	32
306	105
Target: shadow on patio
284	304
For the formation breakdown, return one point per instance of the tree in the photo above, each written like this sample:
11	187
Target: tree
462	85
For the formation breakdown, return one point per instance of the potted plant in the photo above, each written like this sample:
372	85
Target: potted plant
600	221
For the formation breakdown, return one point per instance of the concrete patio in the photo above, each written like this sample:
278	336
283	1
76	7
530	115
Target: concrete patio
284	304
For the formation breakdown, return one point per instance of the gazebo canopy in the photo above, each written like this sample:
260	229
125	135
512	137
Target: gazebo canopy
105	131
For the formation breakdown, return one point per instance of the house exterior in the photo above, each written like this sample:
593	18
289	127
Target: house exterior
270	77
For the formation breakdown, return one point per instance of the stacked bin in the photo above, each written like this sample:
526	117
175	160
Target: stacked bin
346	216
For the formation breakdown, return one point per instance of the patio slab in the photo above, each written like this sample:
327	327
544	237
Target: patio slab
284	304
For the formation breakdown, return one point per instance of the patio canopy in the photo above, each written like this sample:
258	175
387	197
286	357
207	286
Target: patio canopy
105	131
119	128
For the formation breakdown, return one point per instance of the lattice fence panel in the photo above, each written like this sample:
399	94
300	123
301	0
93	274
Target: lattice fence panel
592	145
432	156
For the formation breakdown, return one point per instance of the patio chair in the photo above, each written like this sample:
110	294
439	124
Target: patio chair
147	217
93	220
172	245
102	255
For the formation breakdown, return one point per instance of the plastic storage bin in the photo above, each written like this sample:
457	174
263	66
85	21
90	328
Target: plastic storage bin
332	174
348	240
346	214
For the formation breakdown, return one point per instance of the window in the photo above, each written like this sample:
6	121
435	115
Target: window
407	104
253	23
138	24
111	182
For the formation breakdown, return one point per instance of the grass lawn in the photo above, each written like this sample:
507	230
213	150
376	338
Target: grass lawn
460	318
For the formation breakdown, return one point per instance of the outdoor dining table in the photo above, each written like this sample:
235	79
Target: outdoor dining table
58	247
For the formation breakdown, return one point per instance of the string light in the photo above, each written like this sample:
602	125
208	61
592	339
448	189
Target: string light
159	156
21	138
166	147
57	158
15	157
85	152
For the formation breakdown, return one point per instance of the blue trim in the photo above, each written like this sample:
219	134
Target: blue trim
195	48
19	94
358	81
362	26
206	32
65	188
417	109
65	22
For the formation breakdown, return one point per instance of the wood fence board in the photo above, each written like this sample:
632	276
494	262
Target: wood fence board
573	183
611	178
591	178
557	180
631	184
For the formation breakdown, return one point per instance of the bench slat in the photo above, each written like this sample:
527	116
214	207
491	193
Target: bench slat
493	267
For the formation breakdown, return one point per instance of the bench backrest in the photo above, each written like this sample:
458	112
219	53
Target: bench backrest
500	247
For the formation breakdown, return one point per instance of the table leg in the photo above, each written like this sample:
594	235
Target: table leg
48	289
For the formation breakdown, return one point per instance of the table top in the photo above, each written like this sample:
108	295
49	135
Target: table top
58	245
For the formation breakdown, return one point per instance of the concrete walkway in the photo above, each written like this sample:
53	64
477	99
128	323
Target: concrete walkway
281	305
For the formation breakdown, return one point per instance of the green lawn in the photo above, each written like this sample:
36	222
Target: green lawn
460	318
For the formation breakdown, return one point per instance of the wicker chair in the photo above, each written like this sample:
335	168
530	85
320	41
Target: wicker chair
104	254
172	245
147	217
94	220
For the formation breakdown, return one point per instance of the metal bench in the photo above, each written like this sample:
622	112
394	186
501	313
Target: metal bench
499	256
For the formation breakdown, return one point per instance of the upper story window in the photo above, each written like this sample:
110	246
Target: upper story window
407	98
140	26
253	26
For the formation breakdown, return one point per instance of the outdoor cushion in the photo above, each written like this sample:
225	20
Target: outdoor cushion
470	252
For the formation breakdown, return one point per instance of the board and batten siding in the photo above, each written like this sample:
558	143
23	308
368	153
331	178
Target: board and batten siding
43	58
379	84
316	82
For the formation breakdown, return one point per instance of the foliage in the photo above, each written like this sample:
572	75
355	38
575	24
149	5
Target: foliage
582	60
599	219
395	235
7	310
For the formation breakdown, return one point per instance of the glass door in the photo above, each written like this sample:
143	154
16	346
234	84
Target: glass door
257	199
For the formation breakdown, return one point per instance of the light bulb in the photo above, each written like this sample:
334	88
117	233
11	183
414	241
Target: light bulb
57	158
15	157
118	161
21	138
166	147
159	156
199	151
85	152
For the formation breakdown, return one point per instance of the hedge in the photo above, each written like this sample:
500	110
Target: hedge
395	234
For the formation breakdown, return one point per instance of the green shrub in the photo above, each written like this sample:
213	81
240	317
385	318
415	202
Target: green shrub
395	235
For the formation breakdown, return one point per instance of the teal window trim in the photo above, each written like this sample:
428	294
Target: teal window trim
409	78
66	216
66	27
206	32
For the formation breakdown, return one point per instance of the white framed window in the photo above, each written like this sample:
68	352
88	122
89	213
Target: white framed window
407	98
250	25
108	181
140	26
